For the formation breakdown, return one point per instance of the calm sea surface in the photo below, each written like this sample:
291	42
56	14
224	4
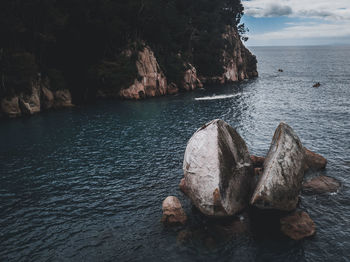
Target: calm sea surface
86	184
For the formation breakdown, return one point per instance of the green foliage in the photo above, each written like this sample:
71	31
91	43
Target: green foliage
57	80
74	41
116	74
18	70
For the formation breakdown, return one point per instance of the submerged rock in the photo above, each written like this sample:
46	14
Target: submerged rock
218	171
298	225
173	214
321	184
314	161
280	184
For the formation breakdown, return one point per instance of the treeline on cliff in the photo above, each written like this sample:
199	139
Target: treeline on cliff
75	43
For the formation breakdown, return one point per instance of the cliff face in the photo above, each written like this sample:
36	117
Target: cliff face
38	99
239	62
152	82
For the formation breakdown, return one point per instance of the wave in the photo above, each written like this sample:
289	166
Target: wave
214	97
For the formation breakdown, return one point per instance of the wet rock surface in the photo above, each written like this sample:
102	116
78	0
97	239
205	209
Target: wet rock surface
314	160
321	184
173	214
280	184
217	170
298	225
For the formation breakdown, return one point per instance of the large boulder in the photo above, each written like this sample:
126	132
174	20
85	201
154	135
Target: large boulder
298	225
321	184
280	184
217	169
173	214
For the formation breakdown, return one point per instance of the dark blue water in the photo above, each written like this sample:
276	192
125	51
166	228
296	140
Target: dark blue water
86	184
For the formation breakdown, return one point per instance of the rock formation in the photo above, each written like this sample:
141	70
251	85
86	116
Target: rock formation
280	184
191	81
151	81
39	98
173	214
314	161
321	184
239	62
298	225
217	169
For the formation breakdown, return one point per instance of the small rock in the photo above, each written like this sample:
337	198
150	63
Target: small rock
280	70
184	236
257	161
321	184
298	225
183	186
318	84
173	214
314	161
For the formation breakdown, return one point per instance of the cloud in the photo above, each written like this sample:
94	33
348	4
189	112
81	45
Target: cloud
304	32
324	9
270	11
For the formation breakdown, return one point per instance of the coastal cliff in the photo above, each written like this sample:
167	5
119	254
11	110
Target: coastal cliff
128	50
37	99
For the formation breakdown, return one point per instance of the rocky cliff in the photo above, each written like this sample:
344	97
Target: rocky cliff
39	98
150	80
238	62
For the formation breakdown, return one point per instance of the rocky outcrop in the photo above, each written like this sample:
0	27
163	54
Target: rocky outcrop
173	214
30	103
10	107
280	184
239	62
39	98
151	81
298	225
314	160
191	80
217	170
321	184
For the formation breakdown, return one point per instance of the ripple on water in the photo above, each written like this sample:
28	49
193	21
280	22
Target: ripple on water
87	184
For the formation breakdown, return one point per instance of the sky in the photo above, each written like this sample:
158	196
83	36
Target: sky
297	22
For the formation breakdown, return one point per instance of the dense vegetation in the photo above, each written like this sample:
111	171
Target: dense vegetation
77	42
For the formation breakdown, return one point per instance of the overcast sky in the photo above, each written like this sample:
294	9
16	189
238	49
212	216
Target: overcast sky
297	22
